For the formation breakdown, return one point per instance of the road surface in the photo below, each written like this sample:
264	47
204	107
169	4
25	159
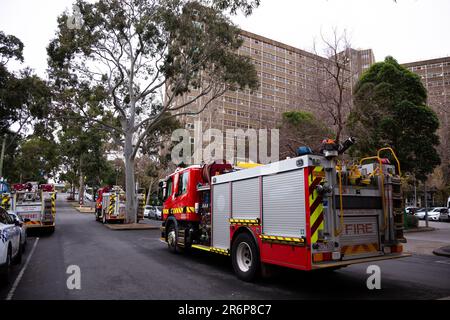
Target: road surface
136	265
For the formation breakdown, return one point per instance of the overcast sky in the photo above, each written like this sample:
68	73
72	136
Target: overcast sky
409	30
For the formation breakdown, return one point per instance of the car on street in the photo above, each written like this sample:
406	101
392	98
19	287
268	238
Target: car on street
433	214
10	238
23	229
411	210
445	215
152	212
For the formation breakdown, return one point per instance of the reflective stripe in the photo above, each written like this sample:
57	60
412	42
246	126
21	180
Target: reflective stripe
284	240
315	177
245	222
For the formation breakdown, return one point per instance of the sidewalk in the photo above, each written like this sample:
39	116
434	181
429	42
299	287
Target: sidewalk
421	241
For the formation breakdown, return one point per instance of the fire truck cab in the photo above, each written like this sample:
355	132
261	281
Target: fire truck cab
309	212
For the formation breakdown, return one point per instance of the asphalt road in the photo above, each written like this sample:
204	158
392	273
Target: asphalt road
136	265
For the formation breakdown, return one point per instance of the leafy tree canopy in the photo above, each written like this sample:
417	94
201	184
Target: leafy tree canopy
390	110
299	128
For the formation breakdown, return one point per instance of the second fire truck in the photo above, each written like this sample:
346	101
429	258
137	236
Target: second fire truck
35	204
111	205
309	212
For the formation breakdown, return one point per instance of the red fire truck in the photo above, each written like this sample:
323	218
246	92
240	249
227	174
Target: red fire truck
309	212
99	201
36	204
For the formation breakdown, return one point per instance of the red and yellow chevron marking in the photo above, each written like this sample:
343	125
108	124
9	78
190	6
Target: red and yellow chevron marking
112	203
182	210
53	205
33	222
315	177
360	248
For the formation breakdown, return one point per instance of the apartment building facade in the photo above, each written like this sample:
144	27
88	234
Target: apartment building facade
435	75
288	82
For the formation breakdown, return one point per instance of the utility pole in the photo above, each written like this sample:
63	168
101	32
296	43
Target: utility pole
2	155
415	193
426	203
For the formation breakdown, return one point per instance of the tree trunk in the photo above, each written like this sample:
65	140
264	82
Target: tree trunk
131	209
149	193
81	191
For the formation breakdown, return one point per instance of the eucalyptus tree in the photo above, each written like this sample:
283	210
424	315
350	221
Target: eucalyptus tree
141	57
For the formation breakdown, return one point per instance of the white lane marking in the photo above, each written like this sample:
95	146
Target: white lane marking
445	298
19	277
443	261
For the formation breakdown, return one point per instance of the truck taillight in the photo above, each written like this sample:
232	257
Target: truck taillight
323	256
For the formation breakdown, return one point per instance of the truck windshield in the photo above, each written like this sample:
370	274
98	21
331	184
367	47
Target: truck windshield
169	188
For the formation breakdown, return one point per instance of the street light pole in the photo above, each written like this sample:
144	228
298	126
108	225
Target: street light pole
426	203
2	155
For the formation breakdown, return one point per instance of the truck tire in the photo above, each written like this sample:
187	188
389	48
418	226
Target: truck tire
172	239
245	257
5	270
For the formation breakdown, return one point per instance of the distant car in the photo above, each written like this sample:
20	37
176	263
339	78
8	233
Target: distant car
152	212
10	234
411	210
445	215
158	212
147	209
433	214
23	229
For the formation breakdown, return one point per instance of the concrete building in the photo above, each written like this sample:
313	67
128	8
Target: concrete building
288	81
435	75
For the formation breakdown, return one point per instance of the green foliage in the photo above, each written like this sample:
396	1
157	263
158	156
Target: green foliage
298	117
300	128
10	48
83	151
390	110
411	221
37	160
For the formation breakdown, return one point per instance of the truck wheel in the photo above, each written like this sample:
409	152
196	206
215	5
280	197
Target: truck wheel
245	257
172	239
6	269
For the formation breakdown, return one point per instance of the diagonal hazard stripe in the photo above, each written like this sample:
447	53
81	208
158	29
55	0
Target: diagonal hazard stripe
314	184
316	204
317	223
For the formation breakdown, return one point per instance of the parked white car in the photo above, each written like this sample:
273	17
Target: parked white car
9	244
23	229
433	214
152	212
